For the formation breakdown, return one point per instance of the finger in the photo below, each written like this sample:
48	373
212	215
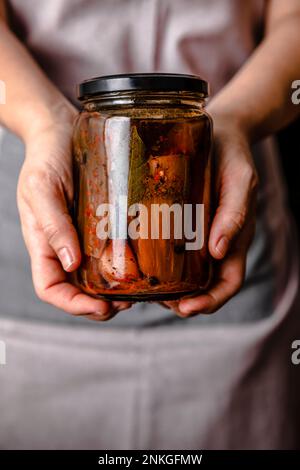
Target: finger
235	203
226	286
51	286
50	281
47	273
48	204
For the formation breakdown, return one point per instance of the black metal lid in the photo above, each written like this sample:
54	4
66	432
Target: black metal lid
142	82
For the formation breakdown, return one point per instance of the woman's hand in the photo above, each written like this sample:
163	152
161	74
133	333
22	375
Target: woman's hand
45	193
233	225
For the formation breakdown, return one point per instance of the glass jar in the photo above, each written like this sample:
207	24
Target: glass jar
142	182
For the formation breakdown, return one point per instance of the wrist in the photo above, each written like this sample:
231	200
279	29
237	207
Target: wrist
40	117
232	119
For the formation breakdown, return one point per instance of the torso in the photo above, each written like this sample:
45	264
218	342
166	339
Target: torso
75	40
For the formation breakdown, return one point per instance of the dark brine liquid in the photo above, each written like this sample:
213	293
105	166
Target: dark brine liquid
150	162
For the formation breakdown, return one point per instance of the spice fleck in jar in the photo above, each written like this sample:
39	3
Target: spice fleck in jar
142	182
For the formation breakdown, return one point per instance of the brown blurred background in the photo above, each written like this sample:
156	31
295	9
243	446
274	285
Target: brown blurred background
289	144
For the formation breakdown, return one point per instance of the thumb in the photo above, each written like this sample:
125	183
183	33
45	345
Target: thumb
227	224
52	216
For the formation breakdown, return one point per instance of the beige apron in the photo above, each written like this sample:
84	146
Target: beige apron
228	387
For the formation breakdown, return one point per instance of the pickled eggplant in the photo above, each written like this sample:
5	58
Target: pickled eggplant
152	163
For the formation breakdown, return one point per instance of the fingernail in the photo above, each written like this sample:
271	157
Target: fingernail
222	246
66	258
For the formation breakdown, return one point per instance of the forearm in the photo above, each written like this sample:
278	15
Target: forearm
32	101
258	98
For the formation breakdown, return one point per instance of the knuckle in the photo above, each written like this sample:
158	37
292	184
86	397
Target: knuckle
40	293
60	179
28	184
53	230
237	219
40	179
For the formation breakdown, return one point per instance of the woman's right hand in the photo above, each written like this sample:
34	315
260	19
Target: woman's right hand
45	194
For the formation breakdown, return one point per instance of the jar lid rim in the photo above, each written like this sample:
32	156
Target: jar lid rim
142	82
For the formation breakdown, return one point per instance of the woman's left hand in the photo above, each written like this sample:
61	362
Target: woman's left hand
233	225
